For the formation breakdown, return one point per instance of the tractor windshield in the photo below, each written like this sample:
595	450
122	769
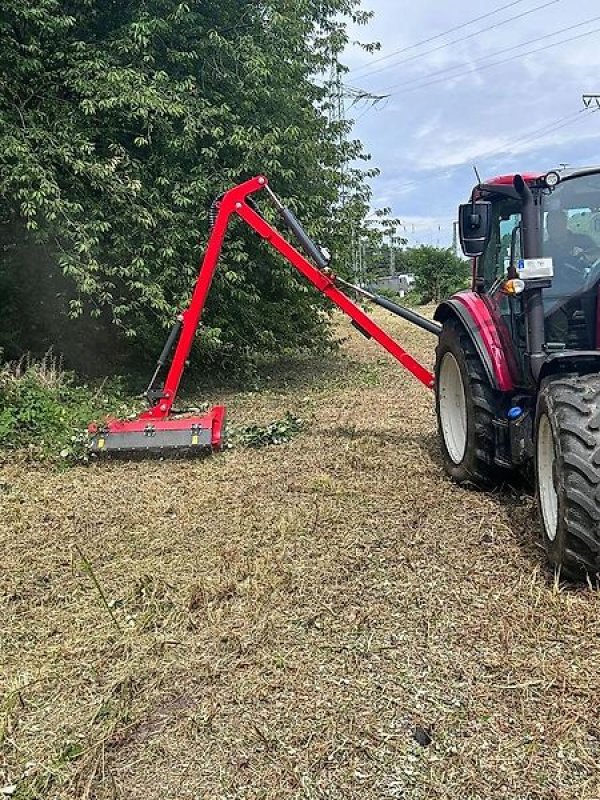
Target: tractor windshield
571	231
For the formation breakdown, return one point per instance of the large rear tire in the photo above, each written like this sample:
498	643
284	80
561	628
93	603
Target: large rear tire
567	471
466	405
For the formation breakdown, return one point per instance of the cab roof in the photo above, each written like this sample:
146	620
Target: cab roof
503	184
532	177
507	180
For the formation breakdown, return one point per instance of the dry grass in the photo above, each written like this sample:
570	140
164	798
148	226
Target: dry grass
48	371
277	623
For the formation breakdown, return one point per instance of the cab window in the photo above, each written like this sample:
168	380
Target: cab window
494	264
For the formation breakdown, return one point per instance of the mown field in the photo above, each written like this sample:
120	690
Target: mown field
326	618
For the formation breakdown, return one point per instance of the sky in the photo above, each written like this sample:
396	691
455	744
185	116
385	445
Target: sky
449	108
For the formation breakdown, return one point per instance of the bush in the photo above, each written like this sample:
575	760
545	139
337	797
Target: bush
412	299
389	294
44	411
439	272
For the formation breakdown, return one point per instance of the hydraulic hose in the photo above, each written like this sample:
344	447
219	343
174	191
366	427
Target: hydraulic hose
429	325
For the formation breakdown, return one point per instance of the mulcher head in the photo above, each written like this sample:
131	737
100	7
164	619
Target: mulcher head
162	437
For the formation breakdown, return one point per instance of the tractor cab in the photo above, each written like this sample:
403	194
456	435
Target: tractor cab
537	263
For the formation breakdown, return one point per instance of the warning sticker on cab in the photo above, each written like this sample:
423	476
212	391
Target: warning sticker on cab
536	268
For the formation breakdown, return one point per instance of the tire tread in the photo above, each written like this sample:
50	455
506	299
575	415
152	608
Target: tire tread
574	402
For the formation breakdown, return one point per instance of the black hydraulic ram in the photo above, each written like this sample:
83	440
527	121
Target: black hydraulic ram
311	249
151	393
428	325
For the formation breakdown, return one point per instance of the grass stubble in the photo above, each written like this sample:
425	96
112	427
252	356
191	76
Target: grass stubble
329	618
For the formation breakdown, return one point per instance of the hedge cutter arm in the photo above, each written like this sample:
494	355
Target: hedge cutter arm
158	429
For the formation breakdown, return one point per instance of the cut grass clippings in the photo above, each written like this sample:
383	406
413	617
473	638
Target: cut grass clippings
277	432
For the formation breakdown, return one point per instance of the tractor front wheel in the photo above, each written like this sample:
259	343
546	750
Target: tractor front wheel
567	470
466	405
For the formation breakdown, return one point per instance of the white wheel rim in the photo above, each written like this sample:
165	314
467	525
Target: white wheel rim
546	455
453	408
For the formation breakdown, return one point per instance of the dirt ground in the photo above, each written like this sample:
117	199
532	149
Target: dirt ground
326	618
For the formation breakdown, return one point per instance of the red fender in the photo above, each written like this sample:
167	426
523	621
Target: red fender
482	325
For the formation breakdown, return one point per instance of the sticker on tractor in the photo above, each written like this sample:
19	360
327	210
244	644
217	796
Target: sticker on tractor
536	268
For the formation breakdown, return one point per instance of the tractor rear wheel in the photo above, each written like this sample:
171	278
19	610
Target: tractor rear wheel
567	470
466	405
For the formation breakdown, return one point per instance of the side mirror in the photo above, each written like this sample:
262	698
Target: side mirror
475	227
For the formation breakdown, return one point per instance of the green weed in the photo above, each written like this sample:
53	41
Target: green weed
44	412
277	432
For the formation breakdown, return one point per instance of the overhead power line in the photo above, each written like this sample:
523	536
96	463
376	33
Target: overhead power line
540	133
439	35
483	63
460	39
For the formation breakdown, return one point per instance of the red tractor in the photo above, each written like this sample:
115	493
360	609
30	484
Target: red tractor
518	360
517	372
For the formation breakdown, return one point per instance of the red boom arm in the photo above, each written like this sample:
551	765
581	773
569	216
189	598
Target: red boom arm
234	202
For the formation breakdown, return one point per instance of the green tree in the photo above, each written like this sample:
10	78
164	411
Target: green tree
120	122
438	272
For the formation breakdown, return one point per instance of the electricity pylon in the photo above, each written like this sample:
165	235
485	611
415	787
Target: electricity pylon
590	100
